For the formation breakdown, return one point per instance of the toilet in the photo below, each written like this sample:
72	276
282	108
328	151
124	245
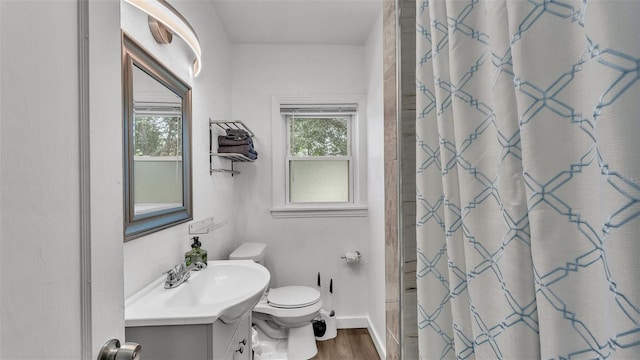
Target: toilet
284	313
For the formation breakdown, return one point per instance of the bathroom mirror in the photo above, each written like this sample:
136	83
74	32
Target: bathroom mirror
156	146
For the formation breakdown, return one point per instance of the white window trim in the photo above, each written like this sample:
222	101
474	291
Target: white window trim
280	207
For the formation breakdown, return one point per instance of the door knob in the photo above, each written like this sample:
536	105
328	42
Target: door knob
113	351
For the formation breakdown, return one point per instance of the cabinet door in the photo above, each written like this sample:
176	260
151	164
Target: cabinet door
242	339
233	341
172	342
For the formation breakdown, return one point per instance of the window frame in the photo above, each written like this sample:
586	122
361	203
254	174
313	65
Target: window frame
348	157
357	204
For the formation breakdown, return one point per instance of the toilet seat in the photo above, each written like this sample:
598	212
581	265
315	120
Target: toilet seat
293	297
310	306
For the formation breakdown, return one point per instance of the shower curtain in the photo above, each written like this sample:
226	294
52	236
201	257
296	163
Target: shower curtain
528	179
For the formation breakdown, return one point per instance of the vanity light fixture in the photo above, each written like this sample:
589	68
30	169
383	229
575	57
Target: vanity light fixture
165	20
160	33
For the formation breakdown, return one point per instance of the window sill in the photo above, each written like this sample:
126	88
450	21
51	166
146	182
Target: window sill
317	212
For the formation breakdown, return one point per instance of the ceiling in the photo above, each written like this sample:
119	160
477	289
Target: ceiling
326	22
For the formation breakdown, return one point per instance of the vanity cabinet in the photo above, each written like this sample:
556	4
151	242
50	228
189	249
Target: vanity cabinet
217	341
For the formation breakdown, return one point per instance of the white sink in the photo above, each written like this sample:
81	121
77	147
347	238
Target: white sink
225	290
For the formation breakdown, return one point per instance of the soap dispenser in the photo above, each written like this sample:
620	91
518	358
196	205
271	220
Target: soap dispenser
196	254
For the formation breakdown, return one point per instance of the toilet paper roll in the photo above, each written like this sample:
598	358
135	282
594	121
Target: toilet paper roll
352	256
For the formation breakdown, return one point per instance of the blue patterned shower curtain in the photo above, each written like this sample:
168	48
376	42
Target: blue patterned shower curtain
528	179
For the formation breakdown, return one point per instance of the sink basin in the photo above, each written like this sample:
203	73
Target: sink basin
225	290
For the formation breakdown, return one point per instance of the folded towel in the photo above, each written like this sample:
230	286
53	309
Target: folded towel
237	134
246	150
225	141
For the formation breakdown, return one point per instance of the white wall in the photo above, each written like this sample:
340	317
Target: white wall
375	179
300	248
146	258
39	197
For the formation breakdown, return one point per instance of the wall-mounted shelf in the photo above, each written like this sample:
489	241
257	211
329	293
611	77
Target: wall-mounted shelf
233	157
205	226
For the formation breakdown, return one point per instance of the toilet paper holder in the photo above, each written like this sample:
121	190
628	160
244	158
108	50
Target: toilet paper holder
352	256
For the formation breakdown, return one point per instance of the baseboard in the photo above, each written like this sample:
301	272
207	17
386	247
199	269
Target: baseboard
379	343
352	322
359	322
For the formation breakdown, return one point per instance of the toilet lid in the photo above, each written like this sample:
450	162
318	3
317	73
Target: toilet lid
291	297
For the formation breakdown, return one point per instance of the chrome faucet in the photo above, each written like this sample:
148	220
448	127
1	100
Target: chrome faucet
180	273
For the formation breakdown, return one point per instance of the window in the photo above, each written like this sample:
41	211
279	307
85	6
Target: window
319	156
319	173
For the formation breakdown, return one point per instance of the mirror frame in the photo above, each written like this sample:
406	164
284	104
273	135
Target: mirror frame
135	226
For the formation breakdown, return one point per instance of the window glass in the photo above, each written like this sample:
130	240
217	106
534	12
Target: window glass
319	136
319	181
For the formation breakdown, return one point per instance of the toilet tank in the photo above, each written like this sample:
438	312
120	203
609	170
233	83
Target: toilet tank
249	251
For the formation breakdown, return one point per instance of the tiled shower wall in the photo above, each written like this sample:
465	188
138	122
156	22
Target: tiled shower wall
400	158
408	297
392	266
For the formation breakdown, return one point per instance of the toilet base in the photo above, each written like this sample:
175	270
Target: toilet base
300	344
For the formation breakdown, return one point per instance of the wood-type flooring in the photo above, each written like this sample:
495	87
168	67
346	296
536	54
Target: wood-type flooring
349	344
